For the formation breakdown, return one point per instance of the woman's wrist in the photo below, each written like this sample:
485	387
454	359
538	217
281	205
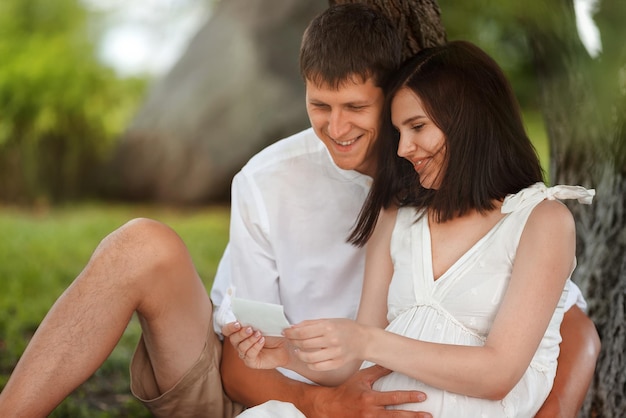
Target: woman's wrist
293	362
368	340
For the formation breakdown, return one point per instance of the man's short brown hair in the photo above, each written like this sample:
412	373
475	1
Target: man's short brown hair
349	40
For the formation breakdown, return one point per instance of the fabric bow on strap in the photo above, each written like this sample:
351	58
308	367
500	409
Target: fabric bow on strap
539	191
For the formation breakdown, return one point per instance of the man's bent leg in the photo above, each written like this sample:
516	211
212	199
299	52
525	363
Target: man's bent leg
142	267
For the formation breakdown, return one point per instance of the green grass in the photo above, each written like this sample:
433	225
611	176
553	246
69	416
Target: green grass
41	251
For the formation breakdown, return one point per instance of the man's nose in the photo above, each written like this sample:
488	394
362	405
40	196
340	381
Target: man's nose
338	125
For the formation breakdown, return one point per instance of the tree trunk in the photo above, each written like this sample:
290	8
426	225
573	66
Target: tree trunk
418	21
584	106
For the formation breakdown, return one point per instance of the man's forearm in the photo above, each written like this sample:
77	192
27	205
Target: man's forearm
252	387
577	362
354	398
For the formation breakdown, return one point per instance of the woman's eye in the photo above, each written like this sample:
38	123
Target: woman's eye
418	126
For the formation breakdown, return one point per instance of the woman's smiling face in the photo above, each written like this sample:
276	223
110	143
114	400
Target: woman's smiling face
421	141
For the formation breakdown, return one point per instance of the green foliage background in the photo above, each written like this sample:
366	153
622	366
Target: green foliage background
60	108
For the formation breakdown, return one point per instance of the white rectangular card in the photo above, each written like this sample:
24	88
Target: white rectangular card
268	318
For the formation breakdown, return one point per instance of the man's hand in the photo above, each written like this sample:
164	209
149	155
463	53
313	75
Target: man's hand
356	398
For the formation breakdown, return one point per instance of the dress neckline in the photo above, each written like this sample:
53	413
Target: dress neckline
428	248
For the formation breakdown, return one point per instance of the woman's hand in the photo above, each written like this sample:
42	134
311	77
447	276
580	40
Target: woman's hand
257	351
327	344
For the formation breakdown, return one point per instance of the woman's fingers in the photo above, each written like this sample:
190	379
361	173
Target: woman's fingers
244	339
252	352
230	328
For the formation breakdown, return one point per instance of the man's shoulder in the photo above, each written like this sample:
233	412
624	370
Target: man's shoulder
297	146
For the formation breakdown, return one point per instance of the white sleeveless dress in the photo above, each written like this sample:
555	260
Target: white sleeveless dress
460	307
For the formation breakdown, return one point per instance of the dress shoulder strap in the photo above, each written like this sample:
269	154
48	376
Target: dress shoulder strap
539	191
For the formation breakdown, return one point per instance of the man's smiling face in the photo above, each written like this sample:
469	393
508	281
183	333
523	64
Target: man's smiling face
347	119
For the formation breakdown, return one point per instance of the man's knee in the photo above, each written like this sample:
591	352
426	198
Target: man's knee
142	249
150	239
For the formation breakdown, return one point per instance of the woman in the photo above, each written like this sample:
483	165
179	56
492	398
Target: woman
468	252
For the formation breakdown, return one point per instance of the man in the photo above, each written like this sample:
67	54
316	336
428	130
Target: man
144	268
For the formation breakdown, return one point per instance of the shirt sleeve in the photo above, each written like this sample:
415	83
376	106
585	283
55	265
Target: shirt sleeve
574	297
220	294
248	267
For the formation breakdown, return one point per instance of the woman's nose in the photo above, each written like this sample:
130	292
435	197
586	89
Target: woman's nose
405	147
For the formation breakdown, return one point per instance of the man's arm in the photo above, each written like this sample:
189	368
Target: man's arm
354	398
577	362
254	386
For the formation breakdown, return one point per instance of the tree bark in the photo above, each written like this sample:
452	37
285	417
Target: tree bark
418	21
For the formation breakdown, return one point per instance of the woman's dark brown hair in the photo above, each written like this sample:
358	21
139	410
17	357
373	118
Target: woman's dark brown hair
487	152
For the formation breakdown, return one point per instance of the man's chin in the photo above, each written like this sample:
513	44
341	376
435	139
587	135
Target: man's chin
348	167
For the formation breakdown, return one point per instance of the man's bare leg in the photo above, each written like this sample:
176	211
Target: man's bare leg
142	267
